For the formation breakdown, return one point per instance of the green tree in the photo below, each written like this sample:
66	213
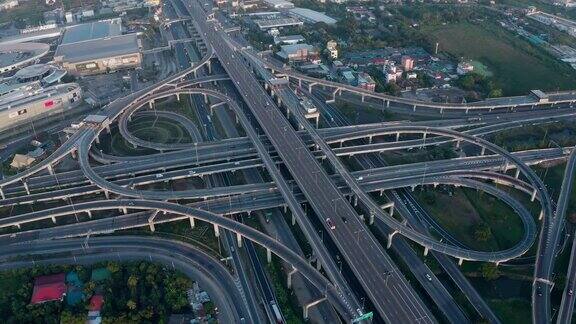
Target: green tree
489	271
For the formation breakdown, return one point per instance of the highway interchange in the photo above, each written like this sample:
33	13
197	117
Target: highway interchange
304	166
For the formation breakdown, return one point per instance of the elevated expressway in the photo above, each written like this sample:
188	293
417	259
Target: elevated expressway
489	105
566	309
308	174
209	272
242	231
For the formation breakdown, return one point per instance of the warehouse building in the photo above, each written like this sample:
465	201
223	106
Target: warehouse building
98	47
311	16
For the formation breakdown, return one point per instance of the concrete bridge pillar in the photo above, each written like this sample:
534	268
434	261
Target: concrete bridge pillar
192	222
50	169
483	151
2	193
177	97
381	192
89	213
533	195
441	111
26	186
106	194
209	65
362	97
74	154
397	137
97	139
53	219
387	103
355	201
318	264
460	261
371	220
414	108
541	216
314	303
293	219
425	251
390	237
370	139
517	174
239	240
300	83
108	129
289	279
205	98
216	230
268	255
391	210
458	144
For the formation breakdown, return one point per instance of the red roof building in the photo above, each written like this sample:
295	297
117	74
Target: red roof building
49	288
96	303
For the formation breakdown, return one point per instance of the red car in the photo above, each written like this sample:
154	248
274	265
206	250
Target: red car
330	223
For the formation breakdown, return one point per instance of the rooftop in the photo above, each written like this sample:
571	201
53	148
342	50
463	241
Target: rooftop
98	48
48	288
93	30
312	16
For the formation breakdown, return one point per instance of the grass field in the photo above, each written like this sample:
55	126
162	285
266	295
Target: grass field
517	66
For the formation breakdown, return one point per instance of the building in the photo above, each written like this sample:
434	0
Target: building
298	52
392	73
21	161
289	40
98	47
49	288
269	23
279	4
365	81
407	63
15	56
347	77
8	4
33	102
331	47
311	16
464	68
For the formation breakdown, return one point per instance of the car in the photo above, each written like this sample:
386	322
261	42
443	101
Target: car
570	292
539	291
428	277
330	223
160	175
345	220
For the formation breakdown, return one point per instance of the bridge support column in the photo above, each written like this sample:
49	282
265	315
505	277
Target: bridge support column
289	279
355	201
533	195
318	264
152	226
89	213
26	187
425	251
177	97
209	65
314	303
106	194
239	240
97	139
414	108
53	219
370	140
192	222
541	216
362	97
390	237
458	144
74	154
460	261
441	111
300	83
466	111
517	174
2	193
293	219
124	210
216	230
397	137
371	220
205	98
424	139
268	255
381	192
505	166
318	122
387	103
412	188
483	151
